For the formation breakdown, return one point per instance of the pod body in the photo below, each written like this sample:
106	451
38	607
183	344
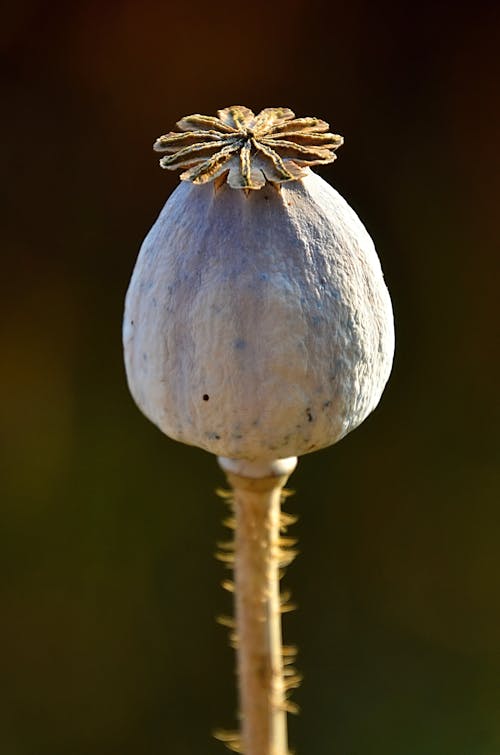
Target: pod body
260	326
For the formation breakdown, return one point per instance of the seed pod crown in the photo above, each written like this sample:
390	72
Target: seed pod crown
245	149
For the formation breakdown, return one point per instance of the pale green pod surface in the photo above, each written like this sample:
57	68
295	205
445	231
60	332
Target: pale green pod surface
260	326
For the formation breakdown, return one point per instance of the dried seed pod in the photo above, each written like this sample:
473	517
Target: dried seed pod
257	326
257	323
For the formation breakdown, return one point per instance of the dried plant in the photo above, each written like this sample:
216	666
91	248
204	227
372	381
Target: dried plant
257	326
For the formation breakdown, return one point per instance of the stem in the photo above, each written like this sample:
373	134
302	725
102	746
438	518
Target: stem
257	601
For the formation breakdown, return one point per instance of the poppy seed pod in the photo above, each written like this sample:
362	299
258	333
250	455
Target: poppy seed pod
257	323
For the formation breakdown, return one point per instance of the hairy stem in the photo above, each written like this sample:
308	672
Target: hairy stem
257	560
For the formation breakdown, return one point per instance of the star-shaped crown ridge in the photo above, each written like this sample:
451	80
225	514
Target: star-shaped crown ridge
245	149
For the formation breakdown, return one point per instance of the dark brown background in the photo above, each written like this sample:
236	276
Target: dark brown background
108	586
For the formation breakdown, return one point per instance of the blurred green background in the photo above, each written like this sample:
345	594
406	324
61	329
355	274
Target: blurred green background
109	590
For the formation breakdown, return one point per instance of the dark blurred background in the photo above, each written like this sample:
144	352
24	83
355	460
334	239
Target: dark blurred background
109	590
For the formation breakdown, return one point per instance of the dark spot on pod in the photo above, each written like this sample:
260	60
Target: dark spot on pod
131	322
240	343
327	404
205	397
309	415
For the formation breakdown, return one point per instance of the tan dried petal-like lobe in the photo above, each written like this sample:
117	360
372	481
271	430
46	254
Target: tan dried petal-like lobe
330	141
236	116
302	124
245	149
173	141
274	175
305	161
291	150
204	123
275	159
210	169
188	162
271	116
245	165
254	180
195	151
